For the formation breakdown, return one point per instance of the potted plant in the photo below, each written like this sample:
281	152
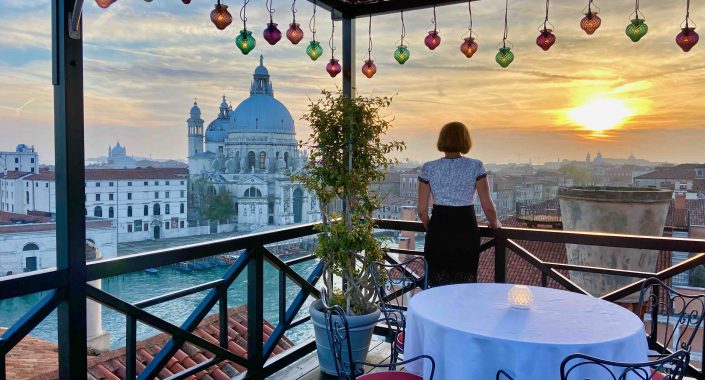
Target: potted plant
347	156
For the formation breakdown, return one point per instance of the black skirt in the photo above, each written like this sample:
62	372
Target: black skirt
452	247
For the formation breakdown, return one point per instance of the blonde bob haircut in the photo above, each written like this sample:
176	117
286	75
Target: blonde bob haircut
454	137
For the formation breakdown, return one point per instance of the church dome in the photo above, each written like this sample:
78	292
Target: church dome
195	111
118	150
262	113
217	130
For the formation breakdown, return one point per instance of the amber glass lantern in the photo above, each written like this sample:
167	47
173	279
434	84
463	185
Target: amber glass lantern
104	3
220	16
369	69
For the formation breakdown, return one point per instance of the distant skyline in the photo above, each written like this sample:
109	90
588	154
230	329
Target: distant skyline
146	62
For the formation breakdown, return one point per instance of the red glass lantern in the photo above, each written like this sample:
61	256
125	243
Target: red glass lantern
590	22
369	69
220	16
104	3
272	34
294	34
468	47
687	38
333	68
432	40
187	2
546	39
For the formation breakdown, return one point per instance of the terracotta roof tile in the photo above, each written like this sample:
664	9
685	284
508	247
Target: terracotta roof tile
29	357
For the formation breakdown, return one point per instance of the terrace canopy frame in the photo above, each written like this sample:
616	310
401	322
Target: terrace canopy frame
67	78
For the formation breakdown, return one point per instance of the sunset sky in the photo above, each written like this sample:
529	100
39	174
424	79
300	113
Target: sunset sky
146	62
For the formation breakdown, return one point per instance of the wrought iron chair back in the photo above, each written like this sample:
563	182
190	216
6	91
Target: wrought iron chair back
671	367
678	316
393	281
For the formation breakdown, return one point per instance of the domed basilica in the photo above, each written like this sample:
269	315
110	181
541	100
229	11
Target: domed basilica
250	152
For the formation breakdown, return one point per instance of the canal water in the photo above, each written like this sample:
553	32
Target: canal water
138	286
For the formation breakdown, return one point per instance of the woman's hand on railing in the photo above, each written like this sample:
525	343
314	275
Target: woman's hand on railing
497	224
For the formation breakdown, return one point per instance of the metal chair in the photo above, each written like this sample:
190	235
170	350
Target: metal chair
501	374
679	316
671	367
338	335
391	282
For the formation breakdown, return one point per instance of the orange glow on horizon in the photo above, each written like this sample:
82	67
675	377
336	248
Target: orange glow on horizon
601	115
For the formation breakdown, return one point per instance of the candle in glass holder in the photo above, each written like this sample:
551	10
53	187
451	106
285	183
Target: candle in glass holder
520	297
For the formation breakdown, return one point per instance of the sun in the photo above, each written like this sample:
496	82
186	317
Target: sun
601	115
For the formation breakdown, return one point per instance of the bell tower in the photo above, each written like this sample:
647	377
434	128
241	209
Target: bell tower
195	131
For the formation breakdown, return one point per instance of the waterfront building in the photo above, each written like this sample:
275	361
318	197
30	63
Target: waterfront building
142	203
23	159
250	152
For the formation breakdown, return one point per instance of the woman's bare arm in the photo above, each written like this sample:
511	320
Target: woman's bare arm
483	190
423	201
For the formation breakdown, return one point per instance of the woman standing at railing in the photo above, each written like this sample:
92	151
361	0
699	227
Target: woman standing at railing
452	247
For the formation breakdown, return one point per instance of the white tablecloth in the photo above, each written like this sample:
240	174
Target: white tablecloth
472	332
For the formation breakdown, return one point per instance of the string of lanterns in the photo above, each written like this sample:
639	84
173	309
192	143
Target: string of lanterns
245	42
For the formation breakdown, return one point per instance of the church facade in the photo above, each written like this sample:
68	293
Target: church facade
250	151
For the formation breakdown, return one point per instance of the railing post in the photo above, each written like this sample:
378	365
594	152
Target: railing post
131	348
282	298
348	56
500	260
255	312
67	78
223	318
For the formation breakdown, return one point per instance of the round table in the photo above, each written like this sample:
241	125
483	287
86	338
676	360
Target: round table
472	332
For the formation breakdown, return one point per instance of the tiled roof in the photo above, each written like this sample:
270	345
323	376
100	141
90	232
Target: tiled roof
118	174
30	356
111	365
696	210
13	175
682	171
13	218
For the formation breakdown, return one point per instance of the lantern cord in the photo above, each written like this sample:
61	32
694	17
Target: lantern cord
243	14
636	9
312	22
506	27
687	12
268	4
434	21
293	12
545	21
403	27
470	14
369	35
331	42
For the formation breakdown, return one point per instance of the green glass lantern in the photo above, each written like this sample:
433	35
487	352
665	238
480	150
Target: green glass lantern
245	42
637	29
504	56
314	50
402	54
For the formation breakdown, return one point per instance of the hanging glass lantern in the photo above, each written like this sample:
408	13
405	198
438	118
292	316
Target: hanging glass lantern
220	16
272	34
295	34
546	39
104	3
687	38
187	2
333	68
402	54
245	42
468	47
504	56
591	21
314	50
369	69
636	29
432	40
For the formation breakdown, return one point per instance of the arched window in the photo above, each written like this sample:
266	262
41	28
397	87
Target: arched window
181	208
27	201
286	159
156	210
262	160
111	212
211	190
129	211
98	212
250	160
146	210
167	209
30	247
253	192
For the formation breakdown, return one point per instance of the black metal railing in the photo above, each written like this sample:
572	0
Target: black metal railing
258	363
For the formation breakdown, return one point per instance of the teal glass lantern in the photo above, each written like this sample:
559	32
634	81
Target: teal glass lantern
245	42
636	29
314	50
402	54
504	56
